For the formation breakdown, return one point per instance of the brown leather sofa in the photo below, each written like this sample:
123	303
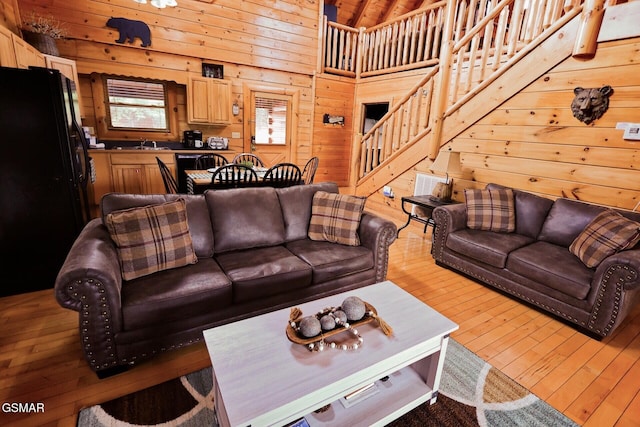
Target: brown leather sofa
254	256
535	265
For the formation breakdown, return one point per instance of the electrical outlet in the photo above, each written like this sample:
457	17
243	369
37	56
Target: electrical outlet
235	134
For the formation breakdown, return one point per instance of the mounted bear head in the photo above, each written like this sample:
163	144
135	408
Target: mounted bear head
590	104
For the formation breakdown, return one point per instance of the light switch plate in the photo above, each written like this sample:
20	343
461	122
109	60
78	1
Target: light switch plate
235	134
632	132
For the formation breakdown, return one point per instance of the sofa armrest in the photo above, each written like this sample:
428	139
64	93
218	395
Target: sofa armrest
615	290
447	219
377	234
90	283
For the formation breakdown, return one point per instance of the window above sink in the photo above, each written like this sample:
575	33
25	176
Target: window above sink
135	109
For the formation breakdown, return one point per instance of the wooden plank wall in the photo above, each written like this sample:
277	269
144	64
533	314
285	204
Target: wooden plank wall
533	142
332	142
238	74
280	35
272	46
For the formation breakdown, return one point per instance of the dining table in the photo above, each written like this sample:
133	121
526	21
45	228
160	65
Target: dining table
199	180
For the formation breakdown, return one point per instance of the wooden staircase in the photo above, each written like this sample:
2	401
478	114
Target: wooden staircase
489	51
528	66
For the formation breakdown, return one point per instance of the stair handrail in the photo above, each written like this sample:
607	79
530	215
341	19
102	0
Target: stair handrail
547	17
388	130
487	39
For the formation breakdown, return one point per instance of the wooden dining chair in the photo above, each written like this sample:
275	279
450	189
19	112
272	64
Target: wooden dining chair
211	160
233	176
244	158
282	175
309	171
170	184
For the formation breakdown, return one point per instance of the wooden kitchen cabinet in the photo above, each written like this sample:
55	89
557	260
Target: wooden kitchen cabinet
127	172
138	173
27	55
17	53
138	179
208	101
69	69
66	66
7	51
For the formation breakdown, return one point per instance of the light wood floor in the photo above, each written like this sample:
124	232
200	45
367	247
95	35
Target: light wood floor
594	383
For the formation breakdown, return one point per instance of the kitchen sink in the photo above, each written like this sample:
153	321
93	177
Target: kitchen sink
142	148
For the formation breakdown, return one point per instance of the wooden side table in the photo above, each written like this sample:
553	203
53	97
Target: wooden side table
425	202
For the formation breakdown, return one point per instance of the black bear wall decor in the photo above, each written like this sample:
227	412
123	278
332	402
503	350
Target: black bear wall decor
130	29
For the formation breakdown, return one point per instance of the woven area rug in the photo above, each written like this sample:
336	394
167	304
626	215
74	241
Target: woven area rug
472	393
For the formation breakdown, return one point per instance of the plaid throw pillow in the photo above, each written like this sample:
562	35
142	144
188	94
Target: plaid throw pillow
491	209
151	238
335	218
608	233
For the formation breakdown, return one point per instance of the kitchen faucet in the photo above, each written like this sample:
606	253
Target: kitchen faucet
144	141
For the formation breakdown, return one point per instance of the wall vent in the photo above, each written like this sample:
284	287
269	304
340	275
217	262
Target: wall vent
426	183
424	186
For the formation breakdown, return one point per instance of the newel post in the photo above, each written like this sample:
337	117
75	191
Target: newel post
322	44
361	51
442	89
587	39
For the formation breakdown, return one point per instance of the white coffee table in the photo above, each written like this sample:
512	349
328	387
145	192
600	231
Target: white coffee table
262	378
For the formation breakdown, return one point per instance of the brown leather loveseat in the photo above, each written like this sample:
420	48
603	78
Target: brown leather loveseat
253	256
535	264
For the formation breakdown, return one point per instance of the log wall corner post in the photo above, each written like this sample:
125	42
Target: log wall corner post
587	39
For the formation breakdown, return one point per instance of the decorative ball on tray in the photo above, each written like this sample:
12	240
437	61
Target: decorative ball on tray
354	308
312	331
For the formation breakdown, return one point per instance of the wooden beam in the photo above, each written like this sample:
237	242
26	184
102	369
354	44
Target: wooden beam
587	39
359	14
390	10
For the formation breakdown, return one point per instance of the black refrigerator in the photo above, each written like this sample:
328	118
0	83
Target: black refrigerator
44	173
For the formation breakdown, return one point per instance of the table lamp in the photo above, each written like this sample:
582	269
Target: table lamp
447	161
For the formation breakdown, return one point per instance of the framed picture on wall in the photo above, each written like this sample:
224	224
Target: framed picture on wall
213	70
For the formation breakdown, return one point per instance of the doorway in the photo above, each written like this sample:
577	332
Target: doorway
371	114
270	124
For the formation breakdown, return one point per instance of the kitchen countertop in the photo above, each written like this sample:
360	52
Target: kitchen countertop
130	150
160	146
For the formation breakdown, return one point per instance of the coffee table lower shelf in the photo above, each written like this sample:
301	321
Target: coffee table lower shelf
404	391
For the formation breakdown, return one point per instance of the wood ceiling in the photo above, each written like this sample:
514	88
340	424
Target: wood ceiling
367	13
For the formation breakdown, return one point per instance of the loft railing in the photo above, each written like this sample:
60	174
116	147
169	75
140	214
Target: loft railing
464	45
411	41
340	49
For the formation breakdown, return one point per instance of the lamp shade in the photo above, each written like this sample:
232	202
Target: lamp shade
447	162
